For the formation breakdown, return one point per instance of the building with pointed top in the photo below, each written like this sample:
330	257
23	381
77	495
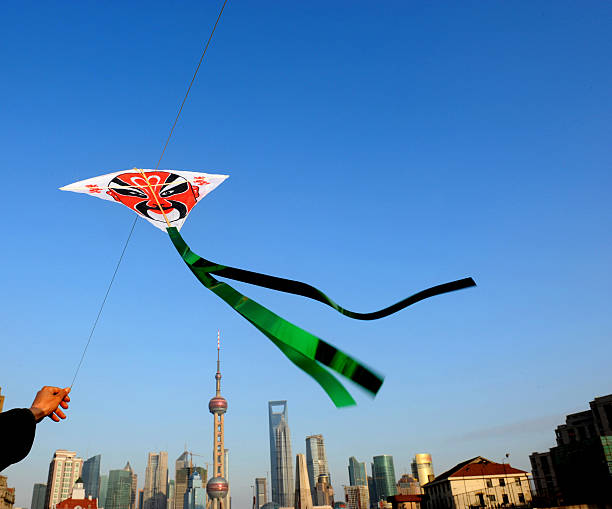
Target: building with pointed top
217	487
134	489
303	496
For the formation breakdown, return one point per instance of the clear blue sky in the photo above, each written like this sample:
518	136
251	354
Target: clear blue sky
375	149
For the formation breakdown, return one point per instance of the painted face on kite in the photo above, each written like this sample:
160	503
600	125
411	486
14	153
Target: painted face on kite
170	191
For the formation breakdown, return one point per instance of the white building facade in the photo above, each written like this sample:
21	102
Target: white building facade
64	470
479	482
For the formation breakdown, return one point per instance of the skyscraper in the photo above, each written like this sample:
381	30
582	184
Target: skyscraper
38	496
217	487
357	472
134	489
119	492
91	476
181	479
103	490
422	468
383	472
372	489
303	496
316	461
64	469
156	481
281	457
261	492
195	496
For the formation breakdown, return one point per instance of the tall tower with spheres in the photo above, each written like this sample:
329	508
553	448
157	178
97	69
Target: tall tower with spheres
217	486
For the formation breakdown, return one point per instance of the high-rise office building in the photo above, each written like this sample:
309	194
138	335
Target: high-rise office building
316	461
171	494
38	496
134	490
119	491
64	470
281	457
357	472
91	476
195	495
383	472
422	468
261	492
181	479
303	495
217	486
103	491
357	496
372	488
156	481
140	499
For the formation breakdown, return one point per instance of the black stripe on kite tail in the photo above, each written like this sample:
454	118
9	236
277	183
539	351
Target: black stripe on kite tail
306	290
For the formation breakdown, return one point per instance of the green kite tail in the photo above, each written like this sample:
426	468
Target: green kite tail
305	350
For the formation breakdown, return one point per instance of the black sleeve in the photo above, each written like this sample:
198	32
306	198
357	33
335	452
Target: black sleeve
17	428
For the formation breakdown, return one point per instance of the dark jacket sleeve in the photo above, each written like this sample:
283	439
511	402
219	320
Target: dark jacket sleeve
17	428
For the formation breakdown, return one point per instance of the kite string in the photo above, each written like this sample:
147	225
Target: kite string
104	300
148	183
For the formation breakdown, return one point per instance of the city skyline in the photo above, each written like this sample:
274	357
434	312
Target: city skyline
452	140
121	486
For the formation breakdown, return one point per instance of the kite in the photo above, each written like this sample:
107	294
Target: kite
166	197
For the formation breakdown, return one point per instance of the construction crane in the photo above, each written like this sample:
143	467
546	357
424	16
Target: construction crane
192	454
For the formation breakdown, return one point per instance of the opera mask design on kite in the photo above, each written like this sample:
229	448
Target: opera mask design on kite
173	193
152	194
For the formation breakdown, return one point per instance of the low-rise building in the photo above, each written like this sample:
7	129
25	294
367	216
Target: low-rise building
479	482
7	495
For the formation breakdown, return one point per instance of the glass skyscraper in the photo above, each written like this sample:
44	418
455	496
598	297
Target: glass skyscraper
38	496
281	457
316	462
357	472
195	496
119	491
383	472
91	476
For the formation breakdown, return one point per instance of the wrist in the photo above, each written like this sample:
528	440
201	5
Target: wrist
38	413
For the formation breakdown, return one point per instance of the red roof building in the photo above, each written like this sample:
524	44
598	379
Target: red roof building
78	499
479	482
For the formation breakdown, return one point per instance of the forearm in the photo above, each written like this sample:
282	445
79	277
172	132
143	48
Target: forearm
17	429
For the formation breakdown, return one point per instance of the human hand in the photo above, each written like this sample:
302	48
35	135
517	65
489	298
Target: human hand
47	403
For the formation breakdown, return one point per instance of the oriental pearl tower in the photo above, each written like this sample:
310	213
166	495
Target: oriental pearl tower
218	487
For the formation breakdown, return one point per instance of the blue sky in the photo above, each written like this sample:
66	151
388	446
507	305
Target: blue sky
374	149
